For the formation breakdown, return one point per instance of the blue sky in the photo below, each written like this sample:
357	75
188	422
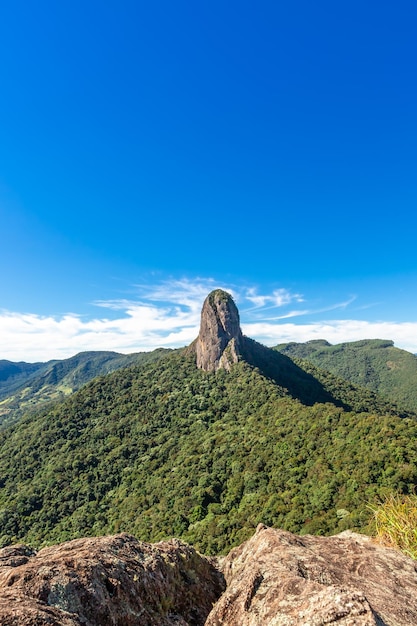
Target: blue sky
150	152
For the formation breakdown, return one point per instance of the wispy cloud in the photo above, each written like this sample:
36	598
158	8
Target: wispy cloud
278	298
301	312
168	314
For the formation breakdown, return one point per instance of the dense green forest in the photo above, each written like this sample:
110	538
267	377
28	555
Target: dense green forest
374	363
165	449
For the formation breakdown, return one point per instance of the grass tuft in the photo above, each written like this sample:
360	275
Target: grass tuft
395	522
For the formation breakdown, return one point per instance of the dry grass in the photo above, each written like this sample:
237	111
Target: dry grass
395	522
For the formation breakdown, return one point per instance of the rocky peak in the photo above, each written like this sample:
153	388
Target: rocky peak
220	338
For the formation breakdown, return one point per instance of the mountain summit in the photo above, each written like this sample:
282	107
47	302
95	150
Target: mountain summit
220	339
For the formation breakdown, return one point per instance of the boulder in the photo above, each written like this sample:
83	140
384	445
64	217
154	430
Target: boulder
280	579
107	581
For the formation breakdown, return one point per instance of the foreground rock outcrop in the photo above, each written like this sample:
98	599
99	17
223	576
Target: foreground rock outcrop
274	579
107	581
279	579
220	339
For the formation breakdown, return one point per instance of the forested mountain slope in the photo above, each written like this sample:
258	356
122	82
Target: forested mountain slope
374	363
205	450
27	386
167	449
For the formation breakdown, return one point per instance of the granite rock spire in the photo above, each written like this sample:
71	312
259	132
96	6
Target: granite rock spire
220	339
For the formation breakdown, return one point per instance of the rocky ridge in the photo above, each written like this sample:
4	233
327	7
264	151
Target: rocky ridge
274	579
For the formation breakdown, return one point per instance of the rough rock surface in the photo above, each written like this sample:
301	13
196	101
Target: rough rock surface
274	579
279	579
220	338
105	581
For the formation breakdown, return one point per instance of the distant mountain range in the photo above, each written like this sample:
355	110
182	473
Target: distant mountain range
28	386
201	443
374	363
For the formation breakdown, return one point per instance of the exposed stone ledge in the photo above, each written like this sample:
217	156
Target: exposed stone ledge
274	579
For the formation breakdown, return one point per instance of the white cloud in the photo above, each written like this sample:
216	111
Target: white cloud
165	315
168	315
139	328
